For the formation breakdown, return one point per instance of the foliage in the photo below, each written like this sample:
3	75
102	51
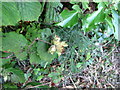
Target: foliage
58	44
69	17
52	12
26	11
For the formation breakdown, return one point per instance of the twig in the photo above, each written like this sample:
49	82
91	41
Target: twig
32	43
108	42
38	85
110	84
110	52
39	40
45	41
7	56
73	83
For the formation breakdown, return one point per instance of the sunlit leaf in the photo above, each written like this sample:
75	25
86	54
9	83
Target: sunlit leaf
88	56
70	18
93	19
116	23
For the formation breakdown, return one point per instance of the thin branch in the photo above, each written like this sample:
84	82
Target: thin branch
32	43
45	41
110	84
39	40
38	85
73	82
108	42
7	56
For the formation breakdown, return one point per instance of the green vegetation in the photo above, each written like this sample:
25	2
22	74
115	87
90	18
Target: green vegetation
59	44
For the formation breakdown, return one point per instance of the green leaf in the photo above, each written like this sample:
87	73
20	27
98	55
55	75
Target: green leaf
72	2
85	5
118	6
27	75
12	12
77	8
116	23
73	66
101	4
70	18
53	74
4	61
21	55
93	19
57	79
34	58
9	85
32	32
39	77
29	11
13	42
79	65
42	49
109	21
52	12
17	75
1	39
46	33
88	56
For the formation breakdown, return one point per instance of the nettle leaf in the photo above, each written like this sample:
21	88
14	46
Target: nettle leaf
13	42
12	12
42	49
116	23
17	75
70	18
52	12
